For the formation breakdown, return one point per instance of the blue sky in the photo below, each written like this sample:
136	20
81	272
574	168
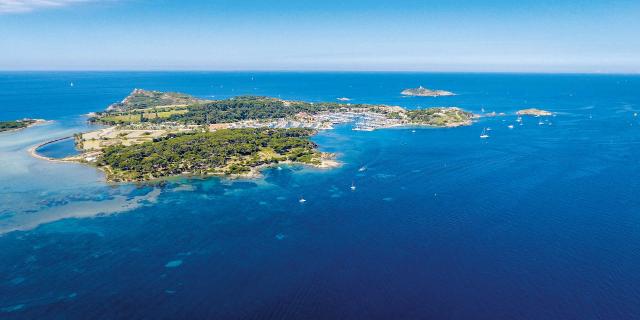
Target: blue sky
445	35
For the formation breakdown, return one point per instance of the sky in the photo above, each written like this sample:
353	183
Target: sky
590	36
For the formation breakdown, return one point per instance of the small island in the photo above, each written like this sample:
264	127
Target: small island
152	134
534	112
18	124
440	117
424	92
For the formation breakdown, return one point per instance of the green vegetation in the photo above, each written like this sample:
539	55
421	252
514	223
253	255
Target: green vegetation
248	108
222	111
13	125
439	116
160	134
201	112
142	99
424	92
534	112
230	151
156	114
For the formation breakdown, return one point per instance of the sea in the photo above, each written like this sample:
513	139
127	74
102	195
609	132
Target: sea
538	221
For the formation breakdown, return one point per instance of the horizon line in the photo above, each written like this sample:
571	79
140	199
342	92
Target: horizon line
633	73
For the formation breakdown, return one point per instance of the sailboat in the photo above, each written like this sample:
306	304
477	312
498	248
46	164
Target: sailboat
353	186
484	134
519	119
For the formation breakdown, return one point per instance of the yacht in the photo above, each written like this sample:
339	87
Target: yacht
353	187
302	200
484	134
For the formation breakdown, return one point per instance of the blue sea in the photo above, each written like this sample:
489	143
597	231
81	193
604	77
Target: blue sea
541	221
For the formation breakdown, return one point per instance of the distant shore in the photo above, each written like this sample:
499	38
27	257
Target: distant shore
33	122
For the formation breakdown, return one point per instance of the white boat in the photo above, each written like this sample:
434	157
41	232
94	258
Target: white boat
510	126
362	169
71	84
540	122
519	119
484	134
413	131
353	186
302	200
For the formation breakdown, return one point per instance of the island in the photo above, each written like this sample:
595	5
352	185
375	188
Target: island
424	92
18	124
534	112
153	134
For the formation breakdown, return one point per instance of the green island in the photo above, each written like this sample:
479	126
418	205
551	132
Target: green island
440	117
153	134
424	92
17	124
534	112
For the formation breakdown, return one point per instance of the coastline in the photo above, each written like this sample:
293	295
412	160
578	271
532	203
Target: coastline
36	122
327	161
33	151
365	117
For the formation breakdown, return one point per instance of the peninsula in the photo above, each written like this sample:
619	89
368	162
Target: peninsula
424	92
18	124
153	134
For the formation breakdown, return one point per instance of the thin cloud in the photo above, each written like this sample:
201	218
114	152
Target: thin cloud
22	6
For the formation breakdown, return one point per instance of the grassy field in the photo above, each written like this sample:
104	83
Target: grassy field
134	116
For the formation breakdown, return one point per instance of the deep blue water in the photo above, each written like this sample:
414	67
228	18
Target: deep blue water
536	222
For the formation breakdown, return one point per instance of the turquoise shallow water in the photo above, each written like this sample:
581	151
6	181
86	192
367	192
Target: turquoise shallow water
536	222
